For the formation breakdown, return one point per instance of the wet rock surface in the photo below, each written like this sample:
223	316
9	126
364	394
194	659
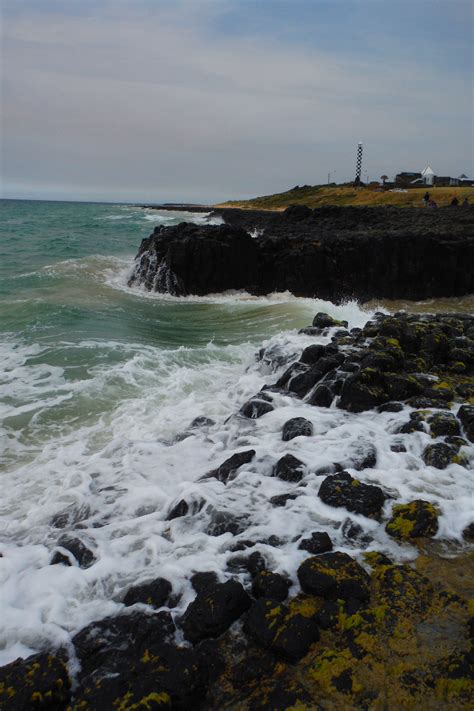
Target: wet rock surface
332	253
328	630
343	490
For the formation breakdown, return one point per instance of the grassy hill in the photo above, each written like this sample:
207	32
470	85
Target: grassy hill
319	196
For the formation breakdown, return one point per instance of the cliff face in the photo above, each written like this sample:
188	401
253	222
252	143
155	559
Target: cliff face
333	253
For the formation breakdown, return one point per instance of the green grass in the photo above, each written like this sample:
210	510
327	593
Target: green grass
320	196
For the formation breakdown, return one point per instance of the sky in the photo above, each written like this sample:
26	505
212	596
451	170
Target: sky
209	100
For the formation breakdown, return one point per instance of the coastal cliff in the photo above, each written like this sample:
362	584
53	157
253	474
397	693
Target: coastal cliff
331	253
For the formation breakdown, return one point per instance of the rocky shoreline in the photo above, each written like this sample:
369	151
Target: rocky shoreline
354	630
330	253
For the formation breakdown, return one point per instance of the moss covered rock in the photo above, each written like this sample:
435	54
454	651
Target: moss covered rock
413	520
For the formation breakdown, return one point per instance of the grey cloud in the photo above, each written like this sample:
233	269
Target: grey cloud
120	106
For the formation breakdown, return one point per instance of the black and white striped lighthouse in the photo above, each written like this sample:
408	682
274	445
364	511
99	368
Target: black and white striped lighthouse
360	148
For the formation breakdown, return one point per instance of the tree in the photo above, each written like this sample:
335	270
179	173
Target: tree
383	178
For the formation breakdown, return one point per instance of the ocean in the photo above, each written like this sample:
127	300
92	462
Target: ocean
99	384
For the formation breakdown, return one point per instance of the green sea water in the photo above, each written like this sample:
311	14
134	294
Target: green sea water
68	319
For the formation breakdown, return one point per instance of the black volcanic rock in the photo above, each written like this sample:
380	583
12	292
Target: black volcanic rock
214	610
332	253
192	259
343	490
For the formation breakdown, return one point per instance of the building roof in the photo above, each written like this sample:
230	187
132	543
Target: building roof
427	171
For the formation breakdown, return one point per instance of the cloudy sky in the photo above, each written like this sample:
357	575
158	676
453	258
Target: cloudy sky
204	100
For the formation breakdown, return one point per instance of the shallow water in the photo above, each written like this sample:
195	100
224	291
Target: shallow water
99	382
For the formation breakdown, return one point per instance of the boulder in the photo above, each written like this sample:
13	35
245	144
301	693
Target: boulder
413	520
270	585
223	522
444	424
155	593
228	469
438	455
108	646
318	542
312	354
466	417
297	427
256	407
342	490
289	468
274	625
334	576
253	563
322	396
212	612
363	390
74	551
282	499
323	320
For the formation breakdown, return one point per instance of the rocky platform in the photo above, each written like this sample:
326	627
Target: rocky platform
332	253
359	631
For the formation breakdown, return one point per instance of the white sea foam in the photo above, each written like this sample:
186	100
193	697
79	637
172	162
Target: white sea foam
110	441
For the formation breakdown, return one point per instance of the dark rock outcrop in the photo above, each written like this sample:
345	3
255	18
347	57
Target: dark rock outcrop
330	252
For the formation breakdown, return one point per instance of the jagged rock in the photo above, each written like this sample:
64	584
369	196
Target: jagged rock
74	550
227	470
414	520
466	417
289	468
438	455
270	585
297	427
333	576
343	490
154	593
213	611
40	681
318	542
274	625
